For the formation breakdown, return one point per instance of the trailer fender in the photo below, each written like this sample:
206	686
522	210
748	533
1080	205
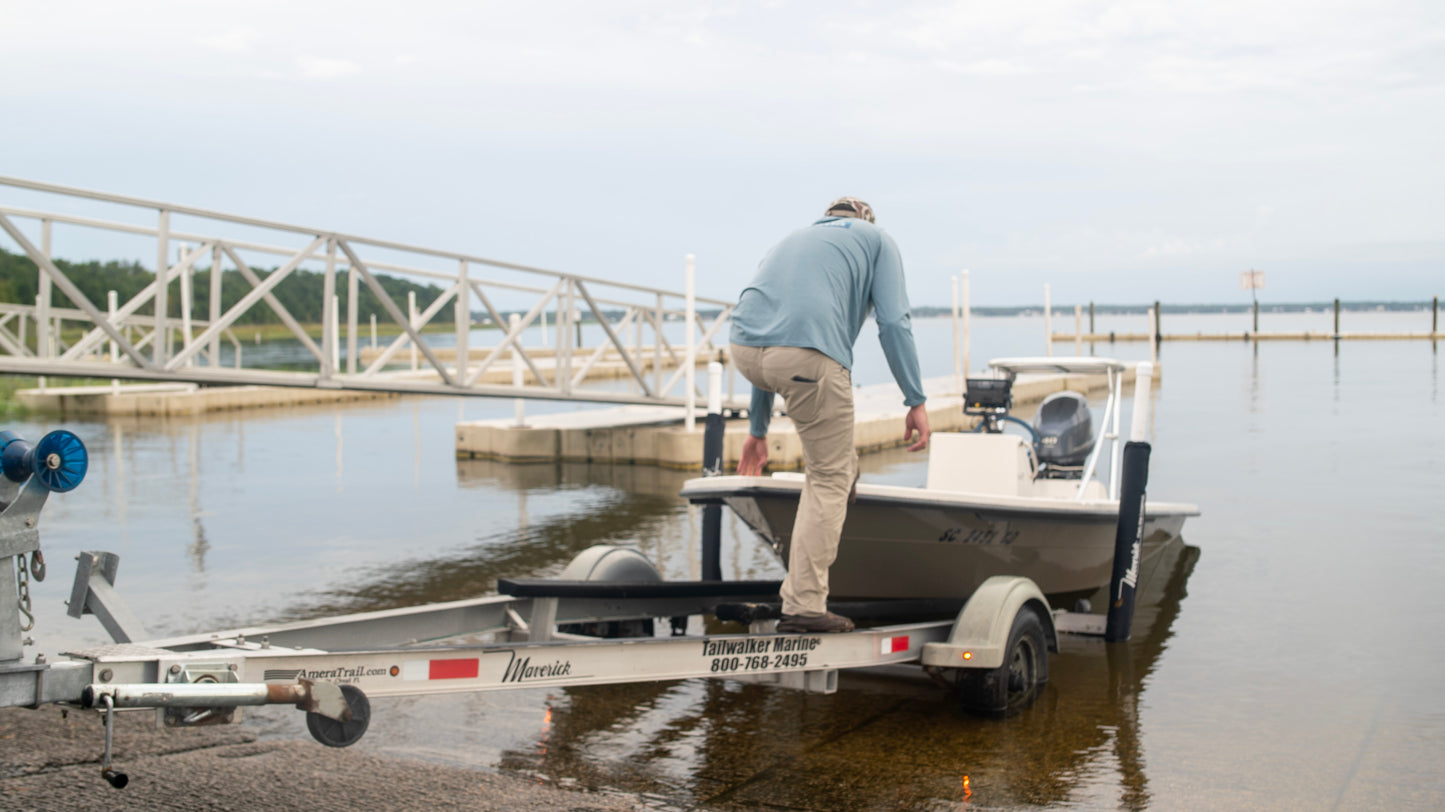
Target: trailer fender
605	562
980	634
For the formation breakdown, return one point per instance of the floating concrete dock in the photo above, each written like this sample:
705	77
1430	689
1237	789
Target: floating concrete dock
655	435
607	365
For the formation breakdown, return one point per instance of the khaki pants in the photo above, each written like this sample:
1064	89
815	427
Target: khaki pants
818	395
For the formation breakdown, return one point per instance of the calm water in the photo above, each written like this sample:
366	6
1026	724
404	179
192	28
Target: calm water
1289	658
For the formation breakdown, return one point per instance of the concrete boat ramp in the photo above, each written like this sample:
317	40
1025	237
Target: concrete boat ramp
655	435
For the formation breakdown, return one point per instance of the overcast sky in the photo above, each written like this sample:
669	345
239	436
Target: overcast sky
1118	151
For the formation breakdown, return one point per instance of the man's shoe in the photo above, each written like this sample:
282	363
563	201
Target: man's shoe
824	623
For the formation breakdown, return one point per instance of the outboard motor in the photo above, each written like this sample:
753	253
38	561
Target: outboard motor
1065	432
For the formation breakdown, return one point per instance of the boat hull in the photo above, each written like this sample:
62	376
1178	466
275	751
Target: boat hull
897	544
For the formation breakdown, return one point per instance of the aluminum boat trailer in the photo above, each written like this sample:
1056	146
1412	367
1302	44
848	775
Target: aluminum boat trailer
596	624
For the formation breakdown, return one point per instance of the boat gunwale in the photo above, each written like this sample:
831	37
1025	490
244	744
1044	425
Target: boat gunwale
1103	509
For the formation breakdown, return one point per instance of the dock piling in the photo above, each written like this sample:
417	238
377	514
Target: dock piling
712	465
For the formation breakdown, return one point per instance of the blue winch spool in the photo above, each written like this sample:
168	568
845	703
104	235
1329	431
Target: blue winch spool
59	460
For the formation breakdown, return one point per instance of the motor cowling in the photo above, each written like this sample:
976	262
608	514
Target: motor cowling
1065	429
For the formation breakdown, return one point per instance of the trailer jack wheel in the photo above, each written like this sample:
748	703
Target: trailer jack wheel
1016	683
333	733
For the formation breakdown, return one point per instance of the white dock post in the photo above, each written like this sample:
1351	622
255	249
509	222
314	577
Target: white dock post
159	328
215	305
352	310
519	406
335	334
111	303
1078	330
1048	324
690	357
187	294
42	304
657	321
328	312
462	311
41	328
637	345
411	319
1139	421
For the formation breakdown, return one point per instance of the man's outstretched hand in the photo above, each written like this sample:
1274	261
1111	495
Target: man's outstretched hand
755	456
917	420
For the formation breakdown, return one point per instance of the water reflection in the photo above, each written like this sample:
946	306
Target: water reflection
198	546
605	504
887	740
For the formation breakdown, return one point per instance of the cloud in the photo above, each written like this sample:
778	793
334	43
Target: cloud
316	67
231	41
1182	246
984	67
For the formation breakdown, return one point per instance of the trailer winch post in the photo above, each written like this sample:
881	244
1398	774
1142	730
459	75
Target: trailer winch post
1128	535
712	465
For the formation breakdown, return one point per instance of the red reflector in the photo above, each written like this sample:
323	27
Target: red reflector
898	644
453	669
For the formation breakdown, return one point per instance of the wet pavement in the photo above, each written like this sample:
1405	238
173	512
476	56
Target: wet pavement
226	768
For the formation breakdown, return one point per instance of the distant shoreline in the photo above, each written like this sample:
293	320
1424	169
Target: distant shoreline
1166	307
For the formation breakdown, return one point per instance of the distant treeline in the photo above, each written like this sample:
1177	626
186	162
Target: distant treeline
300	292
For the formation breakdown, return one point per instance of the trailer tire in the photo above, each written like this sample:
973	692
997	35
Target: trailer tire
332	733
1016	683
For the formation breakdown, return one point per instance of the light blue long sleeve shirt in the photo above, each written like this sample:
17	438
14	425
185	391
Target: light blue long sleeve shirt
815	289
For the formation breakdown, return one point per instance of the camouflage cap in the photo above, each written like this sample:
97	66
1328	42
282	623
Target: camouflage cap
850	207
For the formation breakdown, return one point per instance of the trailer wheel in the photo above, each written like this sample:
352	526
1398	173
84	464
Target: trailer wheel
1016	683
332	733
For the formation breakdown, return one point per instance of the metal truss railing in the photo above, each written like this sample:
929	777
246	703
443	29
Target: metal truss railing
141	339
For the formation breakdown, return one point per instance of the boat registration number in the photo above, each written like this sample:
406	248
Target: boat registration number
980	535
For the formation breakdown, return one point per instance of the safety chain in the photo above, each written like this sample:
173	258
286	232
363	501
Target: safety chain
23	585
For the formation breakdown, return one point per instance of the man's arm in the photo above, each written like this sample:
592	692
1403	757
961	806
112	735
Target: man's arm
755	447
895	333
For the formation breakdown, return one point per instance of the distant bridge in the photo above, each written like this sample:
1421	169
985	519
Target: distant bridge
140	339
